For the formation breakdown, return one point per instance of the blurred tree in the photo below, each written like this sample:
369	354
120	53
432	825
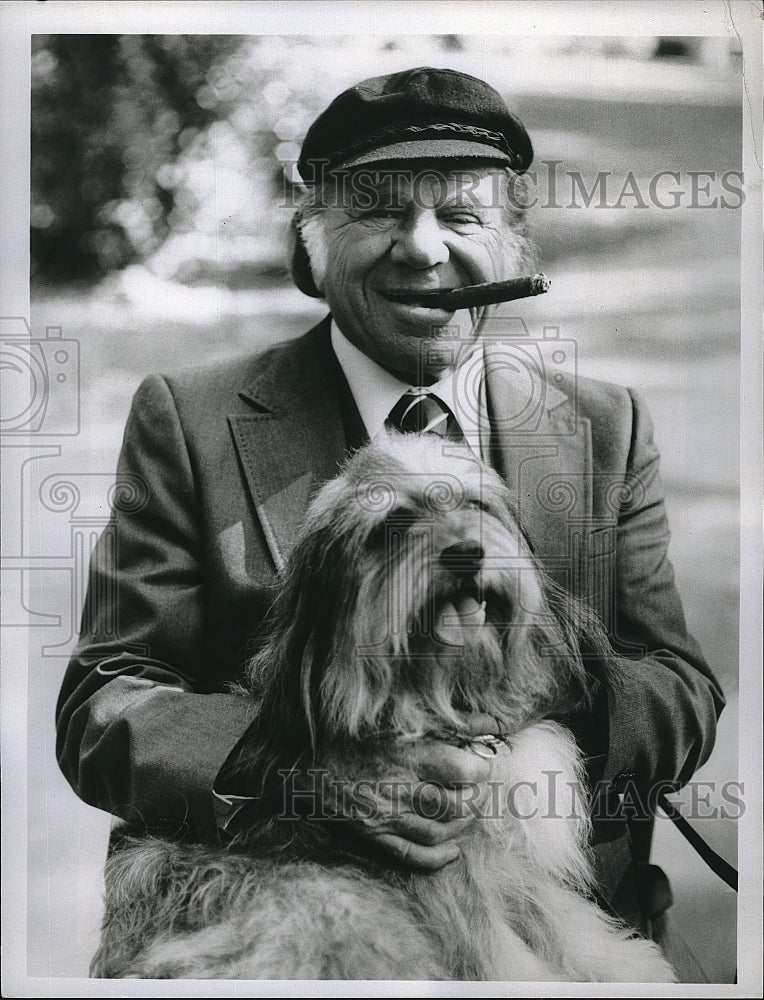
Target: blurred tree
76	157
108	112
179	151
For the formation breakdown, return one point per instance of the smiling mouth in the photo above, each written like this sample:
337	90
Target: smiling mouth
475	296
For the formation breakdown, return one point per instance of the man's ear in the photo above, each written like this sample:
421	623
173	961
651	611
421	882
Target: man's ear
300	261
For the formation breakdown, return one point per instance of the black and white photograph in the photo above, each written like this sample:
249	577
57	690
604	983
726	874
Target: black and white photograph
381	498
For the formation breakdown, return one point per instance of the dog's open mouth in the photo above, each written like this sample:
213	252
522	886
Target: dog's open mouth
455	615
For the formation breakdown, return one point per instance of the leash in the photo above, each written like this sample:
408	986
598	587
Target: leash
487	746
715	861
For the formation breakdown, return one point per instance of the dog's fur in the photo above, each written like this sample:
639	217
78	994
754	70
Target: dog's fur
376	647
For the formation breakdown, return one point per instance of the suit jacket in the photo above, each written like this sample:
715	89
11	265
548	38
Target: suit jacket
215	473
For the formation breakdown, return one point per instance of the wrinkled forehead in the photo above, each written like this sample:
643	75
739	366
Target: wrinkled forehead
398	185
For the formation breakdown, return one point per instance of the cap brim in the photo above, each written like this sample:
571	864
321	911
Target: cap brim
428	149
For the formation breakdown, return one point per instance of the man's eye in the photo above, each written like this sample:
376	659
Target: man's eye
379	213
461	219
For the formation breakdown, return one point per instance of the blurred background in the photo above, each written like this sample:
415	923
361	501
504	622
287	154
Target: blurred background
161	181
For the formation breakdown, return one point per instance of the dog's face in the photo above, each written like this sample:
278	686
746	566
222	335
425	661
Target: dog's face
412	598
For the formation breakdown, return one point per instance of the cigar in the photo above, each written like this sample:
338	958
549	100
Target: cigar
472	296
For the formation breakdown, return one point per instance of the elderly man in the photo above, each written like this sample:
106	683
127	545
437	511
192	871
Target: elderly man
412	185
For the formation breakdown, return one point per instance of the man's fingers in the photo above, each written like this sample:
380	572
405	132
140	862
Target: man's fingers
435	801
450	766
406	852
428	831
422	829
480	724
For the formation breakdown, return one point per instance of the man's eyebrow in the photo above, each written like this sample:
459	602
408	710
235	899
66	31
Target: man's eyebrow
366	191
369	193
465	201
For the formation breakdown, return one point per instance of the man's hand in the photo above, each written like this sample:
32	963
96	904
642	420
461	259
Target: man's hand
419	824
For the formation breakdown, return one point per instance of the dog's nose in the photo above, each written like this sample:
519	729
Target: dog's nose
463	557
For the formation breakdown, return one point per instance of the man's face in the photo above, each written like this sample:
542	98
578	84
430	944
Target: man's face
409	232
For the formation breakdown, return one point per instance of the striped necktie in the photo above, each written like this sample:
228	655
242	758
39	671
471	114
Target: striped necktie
420	412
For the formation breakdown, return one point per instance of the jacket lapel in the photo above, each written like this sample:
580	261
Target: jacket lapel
542	449
293	439
295	436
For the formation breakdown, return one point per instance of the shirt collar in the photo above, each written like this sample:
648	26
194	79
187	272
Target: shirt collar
376	391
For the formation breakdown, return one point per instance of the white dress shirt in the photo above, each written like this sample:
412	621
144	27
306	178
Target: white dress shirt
376	390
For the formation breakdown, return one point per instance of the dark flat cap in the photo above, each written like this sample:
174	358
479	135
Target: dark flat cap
421	113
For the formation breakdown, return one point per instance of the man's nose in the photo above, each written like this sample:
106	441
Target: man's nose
418	241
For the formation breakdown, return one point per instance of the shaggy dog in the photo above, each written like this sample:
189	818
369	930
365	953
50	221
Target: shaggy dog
411	599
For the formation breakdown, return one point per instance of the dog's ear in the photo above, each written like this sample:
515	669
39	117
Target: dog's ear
284	676
586	653
300	261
